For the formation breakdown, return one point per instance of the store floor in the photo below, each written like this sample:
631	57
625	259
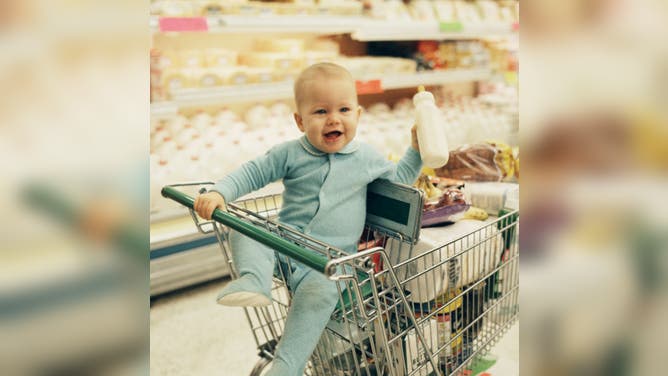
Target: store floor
191	335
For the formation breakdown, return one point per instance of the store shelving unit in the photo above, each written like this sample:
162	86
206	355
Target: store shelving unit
373	30
283	90
360	28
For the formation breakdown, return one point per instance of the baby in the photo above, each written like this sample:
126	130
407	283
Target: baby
325	174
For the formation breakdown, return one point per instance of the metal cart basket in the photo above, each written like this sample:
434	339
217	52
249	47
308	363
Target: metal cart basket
405	307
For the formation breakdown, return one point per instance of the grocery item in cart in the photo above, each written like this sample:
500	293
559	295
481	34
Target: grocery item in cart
491	161
441	206
449	207
415	357
473	249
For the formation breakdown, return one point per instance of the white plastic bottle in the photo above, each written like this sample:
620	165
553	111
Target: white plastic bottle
430	130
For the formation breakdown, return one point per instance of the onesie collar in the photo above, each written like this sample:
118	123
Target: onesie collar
348	149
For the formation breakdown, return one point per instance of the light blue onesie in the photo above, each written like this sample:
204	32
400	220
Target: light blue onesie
324	197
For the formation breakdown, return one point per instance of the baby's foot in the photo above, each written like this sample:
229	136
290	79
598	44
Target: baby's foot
243	292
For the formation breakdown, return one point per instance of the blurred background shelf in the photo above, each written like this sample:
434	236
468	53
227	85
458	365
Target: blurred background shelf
372	30
361	28
283	90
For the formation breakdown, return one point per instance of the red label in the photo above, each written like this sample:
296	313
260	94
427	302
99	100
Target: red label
183	24
515	26
369	87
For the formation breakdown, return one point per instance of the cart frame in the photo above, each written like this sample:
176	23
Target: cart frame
386	322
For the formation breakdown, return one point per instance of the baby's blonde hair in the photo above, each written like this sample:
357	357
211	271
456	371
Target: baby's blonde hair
316	71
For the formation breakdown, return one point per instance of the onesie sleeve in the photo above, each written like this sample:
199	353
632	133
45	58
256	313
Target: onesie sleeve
405	171
254	174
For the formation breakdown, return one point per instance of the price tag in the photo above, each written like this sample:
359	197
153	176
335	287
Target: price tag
369	87
450	26
183	24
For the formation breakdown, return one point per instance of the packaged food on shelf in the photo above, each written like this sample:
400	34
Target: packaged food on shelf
209	7
339	7
490	11
173	8
323	44
201	121
304	7
256	117
391	10
467	12
445	11
313	57
422	10
220	57
158	92
260	75
174	79
208	77
283	45
275	60
190	58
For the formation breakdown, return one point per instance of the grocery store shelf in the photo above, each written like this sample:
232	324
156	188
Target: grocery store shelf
426	30
283	90
299	23
232	94
361	28
435	78
163	110
275	24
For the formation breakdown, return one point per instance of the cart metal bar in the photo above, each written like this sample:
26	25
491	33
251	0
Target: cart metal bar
310	259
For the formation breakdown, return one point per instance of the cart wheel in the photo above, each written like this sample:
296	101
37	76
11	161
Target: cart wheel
260	366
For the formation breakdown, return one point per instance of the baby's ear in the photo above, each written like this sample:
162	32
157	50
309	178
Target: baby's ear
298	120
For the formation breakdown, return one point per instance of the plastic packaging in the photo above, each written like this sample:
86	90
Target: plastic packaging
450	206
430	130
490	161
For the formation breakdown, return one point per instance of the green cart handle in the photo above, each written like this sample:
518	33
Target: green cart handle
308	258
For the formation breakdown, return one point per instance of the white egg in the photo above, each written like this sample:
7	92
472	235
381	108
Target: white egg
256	117
158	138
280	109
186	135
167	149
225	117
201	121
175	124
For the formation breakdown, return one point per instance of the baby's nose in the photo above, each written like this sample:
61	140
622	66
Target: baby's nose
332	119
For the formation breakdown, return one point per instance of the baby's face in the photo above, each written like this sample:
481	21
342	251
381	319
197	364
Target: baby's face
329	113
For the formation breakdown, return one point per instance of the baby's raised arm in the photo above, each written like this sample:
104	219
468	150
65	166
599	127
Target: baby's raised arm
206	203
414	139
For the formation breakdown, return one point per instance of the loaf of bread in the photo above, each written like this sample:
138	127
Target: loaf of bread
472	163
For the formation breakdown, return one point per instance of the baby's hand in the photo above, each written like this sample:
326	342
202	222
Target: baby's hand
206	203
414	139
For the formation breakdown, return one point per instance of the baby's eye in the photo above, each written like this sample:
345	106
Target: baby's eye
320	111
345	109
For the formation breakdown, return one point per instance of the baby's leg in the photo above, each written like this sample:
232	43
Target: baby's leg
312	304
255	264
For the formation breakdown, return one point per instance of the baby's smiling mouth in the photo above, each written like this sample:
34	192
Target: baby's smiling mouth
333	135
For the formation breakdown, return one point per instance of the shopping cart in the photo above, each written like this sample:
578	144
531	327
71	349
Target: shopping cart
405	307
